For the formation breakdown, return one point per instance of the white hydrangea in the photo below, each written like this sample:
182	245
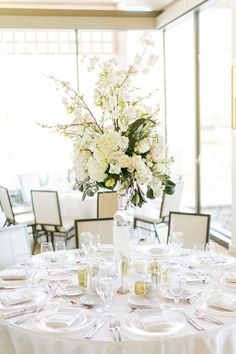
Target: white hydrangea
97	169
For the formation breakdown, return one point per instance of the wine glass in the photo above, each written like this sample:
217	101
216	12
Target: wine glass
60	246
86	242
106	289
96	242
46	247
106	282
172	285
176	241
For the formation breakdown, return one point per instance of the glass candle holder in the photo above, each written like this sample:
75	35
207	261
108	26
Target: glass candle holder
142	285
83	276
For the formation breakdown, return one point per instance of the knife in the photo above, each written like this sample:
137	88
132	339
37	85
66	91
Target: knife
21	312
192	322
94	329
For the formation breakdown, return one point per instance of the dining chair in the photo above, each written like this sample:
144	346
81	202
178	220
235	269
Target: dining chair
102	226
13	218
14	245
27	182
195	227
107	204
157	211
47	213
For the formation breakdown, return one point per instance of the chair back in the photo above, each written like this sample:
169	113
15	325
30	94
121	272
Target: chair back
14	245
171	202
107	204
195	227
46	207
28	182
6	204
102	226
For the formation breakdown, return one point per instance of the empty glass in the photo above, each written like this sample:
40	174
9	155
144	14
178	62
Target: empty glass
86	242
106	289
60	246
176	240
96	242
46	247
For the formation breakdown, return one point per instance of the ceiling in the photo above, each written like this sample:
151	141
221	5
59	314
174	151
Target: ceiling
125	5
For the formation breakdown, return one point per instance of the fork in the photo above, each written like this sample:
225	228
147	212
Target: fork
117	328
113	329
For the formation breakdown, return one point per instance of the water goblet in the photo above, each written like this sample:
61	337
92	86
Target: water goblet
106	289
177	287
60	246
46	247
176	241
96	242
86	242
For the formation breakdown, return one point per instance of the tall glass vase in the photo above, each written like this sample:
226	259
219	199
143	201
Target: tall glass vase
123	222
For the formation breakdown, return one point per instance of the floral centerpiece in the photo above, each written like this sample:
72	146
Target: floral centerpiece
121	148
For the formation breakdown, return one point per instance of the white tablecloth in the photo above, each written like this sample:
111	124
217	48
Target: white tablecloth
27	339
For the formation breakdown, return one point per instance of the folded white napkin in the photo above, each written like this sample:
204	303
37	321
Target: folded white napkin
223	301
16	297
230	277
154	323
63	318
13	274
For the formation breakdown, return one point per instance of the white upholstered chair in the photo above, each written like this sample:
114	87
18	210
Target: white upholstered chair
102	226
157	211
47	214
27	182
195	227
12	217
14	245
107	204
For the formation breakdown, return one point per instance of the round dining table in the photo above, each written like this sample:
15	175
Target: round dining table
23	331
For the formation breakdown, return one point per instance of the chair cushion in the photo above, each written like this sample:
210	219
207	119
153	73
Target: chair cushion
27	218
67	225
149	215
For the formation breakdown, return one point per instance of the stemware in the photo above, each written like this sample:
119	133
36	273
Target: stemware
60	246
106	289
96	242
172	286
46	247
106	282
176	241
86	242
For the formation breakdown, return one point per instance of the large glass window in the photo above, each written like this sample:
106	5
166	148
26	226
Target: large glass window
179	63
215	114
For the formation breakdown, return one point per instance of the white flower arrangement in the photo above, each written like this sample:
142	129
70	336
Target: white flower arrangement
121	149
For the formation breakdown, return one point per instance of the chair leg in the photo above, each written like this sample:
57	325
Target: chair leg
52	240
5	223
156	233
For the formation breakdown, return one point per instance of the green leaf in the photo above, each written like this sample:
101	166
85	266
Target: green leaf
150	194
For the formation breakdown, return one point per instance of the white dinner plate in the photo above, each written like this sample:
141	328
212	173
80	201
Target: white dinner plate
138	301
81	320
69	290
90	299
163	324
186	295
